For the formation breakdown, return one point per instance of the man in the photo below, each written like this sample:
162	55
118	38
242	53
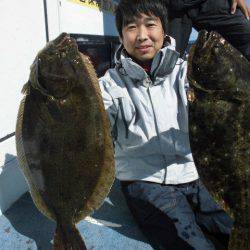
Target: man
145	98
218	15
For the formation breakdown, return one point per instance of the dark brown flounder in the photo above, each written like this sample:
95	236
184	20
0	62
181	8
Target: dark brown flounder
219	120
63	141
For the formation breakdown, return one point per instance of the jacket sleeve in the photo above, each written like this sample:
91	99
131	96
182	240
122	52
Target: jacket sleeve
108	101
183	82
183	87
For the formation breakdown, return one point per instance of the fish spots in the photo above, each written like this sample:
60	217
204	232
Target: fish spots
185	235
75	61
86	59
222	40
194	128
175	220
63	54
51	98
62	102
193	233
190	95
187	227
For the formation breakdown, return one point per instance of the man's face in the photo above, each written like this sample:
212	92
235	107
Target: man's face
143	37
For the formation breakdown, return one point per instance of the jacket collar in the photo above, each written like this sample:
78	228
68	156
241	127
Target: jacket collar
162	65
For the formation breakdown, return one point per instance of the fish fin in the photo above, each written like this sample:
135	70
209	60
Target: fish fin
68	237
26	88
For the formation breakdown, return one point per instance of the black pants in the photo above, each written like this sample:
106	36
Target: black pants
178	217
210	15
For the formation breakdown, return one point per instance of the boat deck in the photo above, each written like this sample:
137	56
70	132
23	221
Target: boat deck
22	226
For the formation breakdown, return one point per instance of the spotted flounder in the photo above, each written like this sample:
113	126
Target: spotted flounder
219	120
63	140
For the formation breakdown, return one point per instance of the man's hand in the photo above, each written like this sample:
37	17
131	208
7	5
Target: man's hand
242	4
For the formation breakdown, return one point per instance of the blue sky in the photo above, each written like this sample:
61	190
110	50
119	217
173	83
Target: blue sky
194	33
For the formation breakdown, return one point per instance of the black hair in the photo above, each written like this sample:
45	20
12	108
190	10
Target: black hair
128	10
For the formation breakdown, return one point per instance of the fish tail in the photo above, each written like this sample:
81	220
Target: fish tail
67	237
239	239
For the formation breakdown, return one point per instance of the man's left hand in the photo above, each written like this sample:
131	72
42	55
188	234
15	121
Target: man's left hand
242	4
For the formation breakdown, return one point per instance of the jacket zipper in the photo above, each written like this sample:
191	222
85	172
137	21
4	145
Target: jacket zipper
156	128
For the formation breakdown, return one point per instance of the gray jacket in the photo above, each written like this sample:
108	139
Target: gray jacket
149	119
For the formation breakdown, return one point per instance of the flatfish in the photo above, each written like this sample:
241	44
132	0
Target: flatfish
219	124
63	140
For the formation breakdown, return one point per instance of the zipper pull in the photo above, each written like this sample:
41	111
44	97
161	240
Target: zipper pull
147	82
